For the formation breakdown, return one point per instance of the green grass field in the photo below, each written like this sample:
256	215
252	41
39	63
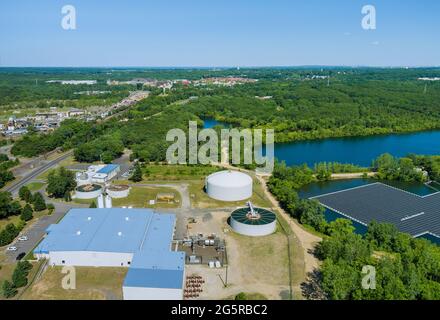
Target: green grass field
91	284
200	199
35	186
155	172
139	197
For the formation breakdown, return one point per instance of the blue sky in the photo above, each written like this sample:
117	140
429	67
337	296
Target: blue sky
219	33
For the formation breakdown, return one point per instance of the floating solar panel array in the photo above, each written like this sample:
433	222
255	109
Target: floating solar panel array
409	212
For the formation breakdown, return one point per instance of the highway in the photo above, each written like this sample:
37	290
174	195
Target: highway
16	185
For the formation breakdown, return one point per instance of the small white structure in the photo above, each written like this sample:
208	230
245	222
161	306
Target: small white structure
100	201
88	191
229	186
118	191
108	201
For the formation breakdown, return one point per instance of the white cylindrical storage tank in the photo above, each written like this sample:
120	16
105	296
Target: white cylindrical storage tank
108	201
100	201
118	191
88	191
229	186
263	223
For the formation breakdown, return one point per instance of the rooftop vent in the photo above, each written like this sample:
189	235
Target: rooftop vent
78	233
127	218
119	233
89	218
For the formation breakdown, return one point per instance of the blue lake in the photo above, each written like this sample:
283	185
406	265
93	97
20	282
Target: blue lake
358	150
361	150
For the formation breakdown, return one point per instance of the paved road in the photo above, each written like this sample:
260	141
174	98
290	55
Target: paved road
37	230
14	187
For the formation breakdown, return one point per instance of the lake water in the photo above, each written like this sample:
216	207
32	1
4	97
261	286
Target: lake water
359	150
320	188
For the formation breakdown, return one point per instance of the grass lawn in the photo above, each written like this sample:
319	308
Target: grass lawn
177	172
139	197
85	201
8	220
200	199
35	186
91	284
297	267
6	270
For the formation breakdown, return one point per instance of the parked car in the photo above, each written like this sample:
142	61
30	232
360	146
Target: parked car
23	238
11	249
20	256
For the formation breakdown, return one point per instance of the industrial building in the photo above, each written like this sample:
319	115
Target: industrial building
410	213
229	186
98	174
106	173
139	239
254	222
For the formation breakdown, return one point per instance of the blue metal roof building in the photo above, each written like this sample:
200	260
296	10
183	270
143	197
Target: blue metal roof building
108	168
110	237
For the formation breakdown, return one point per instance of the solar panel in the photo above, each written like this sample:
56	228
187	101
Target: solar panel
409	212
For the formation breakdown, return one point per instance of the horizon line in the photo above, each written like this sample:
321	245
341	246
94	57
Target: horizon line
233	67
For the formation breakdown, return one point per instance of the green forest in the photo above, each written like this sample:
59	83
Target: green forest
354	102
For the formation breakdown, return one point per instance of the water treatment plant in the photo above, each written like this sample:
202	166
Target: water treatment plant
254	222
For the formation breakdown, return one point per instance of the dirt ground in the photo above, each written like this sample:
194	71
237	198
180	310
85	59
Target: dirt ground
91	284
255	265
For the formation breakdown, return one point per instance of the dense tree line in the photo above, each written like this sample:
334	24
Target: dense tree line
403	169
405	268
300	110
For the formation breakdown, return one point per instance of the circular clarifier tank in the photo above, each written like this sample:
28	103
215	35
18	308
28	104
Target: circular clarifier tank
253	222
88	191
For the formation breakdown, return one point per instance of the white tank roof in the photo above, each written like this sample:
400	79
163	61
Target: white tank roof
229	179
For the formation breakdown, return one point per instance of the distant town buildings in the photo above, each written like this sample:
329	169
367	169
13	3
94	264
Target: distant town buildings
429	79
46	121
73	82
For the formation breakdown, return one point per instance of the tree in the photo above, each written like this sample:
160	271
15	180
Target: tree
59	182
339	280
107	157
241	296
340	226
21	272
9	289
15	208
25	194
312	213
137	173
93	205
5	203
38	202
27	213
67	196
8	234
382	235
